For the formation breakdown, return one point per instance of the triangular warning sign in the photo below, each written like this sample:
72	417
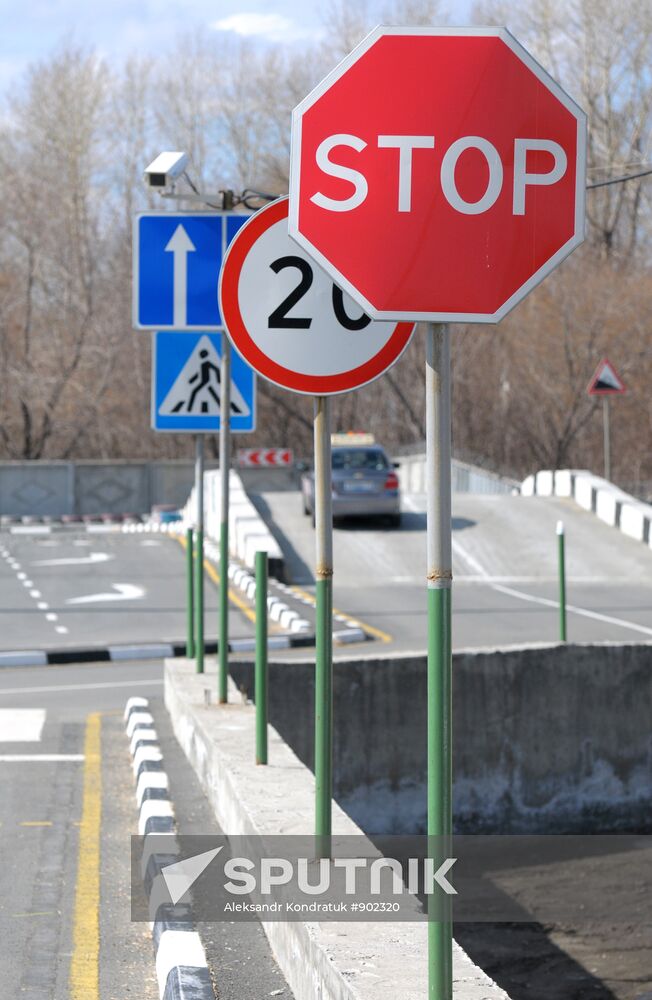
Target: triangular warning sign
606	381
197	389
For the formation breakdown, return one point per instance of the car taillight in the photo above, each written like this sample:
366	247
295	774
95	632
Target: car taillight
391	483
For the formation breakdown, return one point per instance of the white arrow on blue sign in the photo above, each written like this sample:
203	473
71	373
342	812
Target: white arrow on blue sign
187	384
177	258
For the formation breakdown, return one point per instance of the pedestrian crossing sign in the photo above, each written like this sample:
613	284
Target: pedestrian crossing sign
187	384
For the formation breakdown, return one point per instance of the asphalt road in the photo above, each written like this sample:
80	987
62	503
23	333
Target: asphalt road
504	566
45	714
85	590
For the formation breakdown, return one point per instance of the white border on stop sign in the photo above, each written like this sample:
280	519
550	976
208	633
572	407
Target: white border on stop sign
580	177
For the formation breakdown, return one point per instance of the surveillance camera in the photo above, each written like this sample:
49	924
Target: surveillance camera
165	169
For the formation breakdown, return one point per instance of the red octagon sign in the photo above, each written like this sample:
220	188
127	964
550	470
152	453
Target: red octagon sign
438	174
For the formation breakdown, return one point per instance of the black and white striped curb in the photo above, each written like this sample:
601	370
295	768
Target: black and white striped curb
181	966
147	651
278	609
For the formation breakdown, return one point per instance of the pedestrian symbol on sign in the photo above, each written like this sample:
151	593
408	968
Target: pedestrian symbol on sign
196	390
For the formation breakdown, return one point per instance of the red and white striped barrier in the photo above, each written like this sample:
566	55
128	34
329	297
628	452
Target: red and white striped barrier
255	458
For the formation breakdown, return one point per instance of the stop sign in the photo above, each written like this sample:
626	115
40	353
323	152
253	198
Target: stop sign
438	174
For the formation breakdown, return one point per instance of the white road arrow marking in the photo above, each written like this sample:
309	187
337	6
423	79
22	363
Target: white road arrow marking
94	557
180	245
125	592
182	875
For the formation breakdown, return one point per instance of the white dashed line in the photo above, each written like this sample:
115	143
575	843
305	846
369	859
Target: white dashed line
21	576
27	583
42	605
61	629
35	593
51	617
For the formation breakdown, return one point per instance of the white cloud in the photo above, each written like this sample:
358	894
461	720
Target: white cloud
273	27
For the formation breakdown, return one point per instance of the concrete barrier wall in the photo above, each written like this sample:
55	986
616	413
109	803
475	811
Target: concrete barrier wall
596	495
56	488
550	738
248	533
465	478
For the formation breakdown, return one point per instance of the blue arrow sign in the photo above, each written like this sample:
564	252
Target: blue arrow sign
177	258
187	384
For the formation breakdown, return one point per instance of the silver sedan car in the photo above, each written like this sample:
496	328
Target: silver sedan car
364	485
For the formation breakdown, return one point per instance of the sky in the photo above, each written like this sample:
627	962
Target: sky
31	29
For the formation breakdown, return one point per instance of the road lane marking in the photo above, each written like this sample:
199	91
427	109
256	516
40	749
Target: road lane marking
52	617
84	963
21	725
61	629
121	592
584	612
42	605
215	577
35	594
41	758
38	913
371	629
545	601
36	822
94	557
21	576
51	689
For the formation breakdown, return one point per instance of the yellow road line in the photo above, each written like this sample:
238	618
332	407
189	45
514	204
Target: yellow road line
370	629
84	964
250	614
36	822
215	577
239	603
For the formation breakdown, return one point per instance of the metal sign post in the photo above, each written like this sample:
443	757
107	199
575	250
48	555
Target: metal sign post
339	350
607	438
225	468
606	382
440	576
199	554
324	629
383	242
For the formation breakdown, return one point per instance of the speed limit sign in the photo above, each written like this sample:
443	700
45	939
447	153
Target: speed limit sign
290	322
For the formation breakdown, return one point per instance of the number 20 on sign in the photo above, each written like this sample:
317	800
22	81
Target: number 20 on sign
291	323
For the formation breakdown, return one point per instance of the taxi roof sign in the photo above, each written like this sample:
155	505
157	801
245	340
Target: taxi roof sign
352	437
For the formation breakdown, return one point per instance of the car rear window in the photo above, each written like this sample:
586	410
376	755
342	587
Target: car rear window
360	458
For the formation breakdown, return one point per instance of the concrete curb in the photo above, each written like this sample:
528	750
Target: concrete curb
146	651
329	960
181	966
278	609
248	533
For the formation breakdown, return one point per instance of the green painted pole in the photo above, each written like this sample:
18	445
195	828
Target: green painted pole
190	595
225	467
199	555
439	669
561	559
260	683
324	626
199	600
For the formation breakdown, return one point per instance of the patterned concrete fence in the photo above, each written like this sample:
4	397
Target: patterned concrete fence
56	488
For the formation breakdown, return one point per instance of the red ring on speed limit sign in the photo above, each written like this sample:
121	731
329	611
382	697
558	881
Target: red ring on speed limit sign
290	323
